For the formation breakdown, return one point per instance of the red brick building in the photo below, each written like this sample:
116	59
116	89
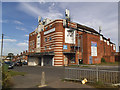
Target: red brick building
117	56
22	57
56	45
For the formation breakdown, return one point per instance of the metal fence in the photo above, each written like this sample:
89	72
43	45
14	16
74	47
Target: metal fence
92	75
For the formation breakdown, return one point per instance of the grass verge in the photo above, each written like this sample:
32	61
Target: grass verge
101	64
110	63
14	73
101	85
6	76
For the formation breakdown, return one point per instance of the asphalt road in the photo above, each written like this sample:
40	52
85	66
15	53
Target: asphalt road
52	72
53	78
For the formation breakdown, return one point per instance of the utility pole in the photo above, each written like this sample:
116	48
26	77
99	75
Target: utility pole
2	47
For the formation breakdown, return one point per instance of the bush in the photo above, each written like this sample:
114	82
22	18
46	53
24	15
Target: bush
6	80
5	77
103	60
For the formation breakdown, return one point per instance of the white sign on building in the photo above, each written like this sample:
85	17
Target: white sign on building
69	36
49	31
93	48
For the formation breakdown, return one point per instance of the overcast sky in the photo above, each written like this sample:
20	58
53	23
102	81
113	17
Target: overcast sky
19	19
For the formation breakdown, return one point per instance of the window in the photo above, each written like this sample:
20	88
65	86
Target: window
45	39
107	42
101	38
104	40
38	36
32	50
114	47
45	48
46	27
49	47
50	38
33	43
50	25
38	40
41	29
111	45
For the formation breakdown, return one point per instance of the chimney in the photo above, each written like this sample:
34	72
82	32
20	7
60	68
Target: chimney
23	51
108	39
100	29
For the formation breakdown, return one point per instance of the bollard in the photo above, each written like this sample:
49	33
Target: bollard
43	80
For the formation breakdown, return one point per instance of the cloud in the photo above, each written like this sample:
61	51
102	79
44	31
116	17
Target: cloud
9	40
22	44
26	41
17	22
94	15
21	28
41	1
26	35
35	10
14	48
4	21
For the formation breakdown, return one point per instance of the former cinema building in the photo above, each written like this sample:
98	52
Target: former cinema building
63	42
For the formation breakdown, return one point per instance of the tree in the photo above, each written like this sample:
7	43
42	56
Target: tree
10	55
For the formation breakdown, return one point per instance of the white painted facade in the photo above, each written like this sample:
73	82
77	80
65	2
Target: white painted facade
33	61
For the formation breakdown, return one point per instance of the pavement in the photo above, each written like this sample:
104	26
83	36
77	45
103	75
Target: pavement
53	78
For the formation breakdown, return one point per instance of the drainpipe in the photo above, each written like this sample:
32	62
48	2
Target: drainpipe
81	45
78	47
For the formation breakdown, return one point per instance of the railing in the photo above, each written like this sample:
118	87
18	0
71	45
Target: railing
92	75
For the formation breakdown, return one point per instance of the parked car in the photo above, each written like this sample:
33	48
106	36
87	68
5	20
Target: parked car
19	64
15	63
24	63
10	65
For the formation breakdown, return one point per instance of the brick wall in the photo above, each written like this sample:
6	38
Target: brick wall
58	40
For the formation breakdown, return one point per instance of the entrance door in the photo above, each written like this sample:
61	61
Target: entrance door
71	58
90	59
40	61
47	60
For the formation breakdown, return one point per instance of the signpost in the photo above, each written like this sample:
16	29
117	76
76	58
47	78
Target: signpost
64	46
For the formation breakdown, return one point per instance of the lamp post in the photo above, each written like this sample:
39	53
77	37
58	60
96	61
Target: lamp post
1	48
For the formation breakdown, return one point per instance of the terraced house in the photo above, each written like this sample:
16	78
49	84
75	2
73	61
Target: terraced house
63	42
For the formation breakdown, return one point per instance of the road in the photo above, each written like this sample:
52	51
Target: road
53	78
